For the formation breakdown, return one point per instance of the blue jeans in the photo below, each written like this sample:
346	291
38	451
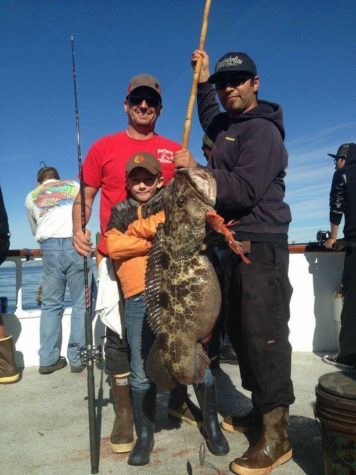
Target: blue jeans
140	339
62	266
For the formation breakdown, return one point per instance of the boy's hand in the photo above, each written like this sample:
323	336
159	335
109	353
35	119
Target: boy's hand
184	159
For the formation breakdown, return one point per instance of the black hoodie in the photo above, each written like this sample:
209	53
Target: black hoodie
248	162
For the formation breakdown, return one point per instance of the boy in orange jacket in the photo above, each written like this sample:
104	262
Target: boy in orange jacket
144	182
127	244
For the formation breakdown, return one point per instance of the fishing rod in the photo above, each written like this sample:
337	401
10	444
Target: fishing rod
89	353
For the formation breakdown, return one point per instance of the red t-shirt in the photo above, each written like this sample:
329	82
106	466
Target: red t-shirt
104	167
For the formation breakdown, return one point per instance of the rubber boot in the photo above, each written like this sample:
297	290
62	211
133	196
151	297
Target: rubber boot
251	421
273	448
8	370
215	439
144	406
182	408
121	438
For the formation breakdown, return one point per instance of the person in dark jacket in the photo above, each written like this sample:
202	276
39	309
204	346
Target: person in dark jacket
249	164
8	370
343	202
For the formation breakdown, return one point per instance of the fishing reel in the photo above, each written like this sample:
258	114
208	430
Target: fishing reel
90	353
322	236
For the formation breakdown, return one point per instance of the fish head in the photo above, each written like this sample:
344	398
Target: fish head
189	196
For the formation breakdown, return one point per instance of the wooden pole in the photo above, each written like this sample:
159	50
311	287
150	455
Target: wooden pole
193	91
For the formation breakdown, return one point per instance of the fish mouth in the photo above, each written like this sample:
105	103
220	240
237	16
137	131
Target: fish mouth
203	182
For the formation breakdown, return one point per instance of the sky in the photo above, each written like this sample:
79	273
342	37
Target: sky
305	53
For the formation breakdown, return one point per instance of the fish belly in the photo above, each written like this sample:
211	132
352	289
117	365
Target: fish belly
190	304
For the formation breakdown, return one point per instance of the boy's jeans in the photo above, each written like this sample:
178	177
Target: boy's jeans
140	338
61	266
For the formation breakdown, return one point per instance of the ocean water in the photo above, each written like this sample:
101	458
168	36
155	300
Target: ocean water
31	280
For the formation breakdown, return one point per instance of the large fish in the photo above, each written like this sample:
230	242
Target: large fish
182	290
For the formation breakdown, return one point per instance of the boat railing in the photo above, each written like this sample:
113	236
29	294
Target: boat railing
19	257
314	272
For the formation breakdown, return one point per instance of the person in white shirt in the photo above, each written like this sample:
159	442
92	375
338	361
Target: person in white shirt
49	210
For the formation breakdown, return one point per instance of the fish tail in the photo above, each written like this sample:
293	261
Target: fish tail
201	363
157	369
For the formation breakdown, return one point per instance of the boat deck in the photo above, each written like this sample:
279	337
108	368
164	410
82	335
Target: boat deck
44	426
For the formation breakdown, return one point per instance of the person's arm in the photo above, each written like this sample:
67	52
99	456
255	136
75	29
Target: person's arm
209	112
82	242
210	116
30	217
329	243
337	203
122	246
201	55
146	228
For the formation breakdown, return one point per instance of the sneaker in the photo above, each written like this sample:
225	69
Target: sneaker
77	369
342	362
60	364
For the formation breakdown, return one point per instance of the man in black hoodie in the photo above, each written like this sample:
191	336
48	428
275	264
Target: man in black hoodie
249	164
343	202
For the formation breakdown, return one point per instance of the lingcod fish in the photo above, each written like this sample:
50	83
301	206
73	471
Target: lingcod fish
183	295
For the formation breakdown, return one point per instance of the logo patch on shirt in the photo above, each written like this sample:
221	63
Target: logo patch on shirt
164	155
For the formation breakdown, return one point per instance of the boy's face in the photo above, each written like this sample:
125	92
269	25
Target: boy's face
142	185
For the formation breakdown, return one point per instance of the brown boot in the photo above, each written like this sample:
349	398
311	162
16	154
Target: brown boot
251	421
122	438
273	448
182	408
8	370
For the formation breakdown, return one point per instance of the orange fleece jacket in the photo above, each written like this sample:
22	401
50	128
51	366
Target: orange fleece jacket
129	252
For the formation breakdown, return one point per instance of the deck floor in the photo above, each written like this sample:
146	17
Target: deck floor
44	426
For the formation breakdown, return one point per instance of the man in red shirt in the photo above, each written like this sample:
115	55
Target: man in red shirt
104	169
104	166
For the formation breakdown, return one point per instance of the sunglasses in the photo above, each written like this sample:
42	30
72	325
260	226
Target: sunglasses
338	158
232	81
137	99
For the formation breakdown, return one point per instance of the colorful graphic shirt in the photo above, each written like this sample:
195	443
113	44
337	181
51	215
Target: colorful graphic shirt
49	209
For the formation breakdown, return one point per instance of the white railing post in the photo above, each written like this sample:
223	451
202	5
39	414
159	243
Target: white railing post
18	263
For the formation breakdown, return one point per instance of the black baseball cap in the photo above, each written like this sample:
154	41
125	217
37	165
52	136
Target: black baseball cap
233	62
345	151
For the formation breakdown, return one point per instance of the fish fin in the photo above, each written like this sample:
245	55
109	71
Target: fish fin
153	283
157	369
217	223
201	363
